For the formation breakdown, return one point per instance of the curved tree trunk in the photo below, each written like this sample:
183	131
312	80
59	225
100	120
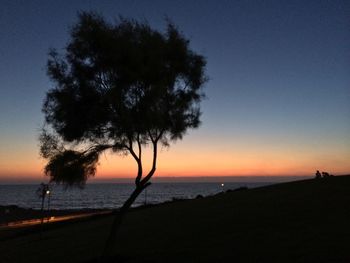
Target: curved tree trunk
119	215
141	184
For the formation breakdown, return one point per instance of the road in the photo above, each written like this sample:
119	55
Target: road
49	220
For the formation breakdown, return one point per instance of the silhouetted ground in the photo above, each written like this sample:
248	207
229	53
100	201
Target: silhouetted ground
305	221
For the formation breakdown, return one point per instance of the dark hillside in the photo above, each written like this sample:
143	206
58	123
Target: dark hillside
304	221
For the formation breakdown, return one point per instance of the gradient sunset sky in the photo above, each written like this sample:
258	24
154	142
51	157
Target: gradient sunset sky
278	98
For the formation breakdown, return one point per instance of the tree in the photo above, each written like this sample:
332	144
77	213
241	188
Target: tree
118	87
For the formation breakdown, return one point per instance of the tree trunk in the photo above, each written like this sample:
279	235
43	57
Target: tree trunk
119	215
141	184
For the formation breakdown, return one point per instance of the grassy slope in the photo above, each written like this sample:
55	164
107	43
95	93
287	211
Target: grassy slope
305	221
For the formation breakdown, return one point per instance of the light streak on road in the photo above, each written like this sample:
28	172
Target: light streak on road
51	219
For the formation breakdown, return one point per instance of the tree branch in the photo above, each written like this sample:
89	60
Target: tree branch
138	161
154	163
139	145
160	135
131	150
150	135
98	148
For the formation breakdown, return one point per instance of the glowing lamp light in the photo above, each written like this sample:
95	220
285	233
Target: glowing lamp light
222	185
47	192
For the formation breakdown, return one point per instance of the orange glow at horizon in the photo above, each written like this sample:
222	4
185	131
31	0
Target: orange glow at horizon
195	159
193	163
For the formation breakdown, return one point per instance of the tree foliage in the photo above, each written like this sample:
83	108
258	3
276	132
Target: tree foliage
118	86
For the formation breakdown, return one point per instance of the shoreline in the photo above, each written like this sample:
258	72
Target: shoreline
11	214
179	179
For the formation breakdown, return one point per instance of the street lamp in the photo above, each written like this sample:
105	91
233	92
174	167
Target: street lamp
48	193
42	192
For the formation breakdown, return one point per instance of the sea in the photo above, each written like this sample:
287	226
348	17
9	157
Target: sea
113	195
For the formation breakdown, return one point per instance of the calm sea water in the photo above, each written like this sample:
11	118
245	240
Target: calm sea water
111	195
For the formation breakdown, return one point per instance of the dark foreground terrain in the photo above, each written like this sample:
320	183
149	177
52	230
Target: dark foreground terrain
304	221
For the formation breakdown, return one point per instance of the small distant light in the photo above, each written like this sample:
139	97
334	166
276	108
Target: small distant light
47	192
222	185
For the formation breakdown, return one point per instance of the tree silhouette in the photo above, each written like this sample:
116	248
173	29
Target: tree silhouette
118	87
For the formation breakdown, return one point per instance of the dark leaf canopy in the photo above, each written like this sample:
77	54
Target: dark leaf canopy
72	167
115	81
118	82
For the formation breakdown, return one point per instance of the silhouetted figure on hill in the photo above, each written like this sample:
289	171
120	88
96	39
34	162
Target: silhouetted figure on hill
325	174
318	174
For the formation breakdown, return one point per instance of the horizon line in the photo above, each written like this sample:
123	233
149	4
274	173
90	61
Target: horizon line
170	179
160	179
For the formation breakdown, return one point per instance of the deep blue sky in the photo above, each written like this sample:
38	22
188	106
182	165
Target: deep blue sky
279	77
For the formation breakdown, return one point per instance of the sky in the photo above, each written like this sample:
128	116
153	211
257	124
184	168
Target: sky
277	97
